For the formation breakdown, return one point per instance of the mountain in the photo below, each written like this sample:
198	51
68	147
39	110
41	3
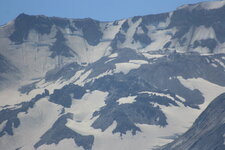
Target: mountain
207	131
8	73
84	84
42	43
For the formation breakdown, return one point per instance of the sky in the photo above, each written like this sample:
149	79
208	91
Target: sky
103	10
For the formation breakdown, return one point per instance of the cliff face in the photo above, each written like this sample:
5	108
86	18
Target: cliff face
43	43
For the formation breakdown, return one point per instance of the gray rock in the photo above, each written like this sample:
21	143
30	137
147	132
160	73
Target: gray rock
10	115
59	47
209	43
59	131
63	96
65	73
207	132
125	26
91	30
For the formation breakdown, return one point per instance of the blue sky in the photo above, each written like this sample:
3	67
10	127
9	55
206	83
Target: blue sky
104	10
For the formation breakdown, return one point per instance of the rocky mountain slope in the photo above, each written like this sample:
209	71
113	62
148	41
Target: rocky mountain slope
207	131
84	84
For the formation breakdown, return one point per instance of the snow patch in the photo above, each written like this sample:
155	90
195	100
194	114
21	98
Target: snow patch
213	5
138	61
64	144
113	55
81	80
203	33
220	62
11	97
159	37
209	90
109	60
2	125
151	135
40	118
108	72
204	5
126	67
181	98
214	65
127	100
152	56
83	110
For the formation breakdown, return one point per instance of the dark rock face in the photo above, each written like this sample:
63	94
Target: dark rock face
127	115
161	100
24	23
65	73
207	131
184	19
119	39
60	131
135	19
154	19
120	86
8	72
27	88
159	77
105	63
125	26
144	28
60	47
10	115
64	95
167	44
61	22
18	148
115	23
144	39
91	30
10	124
209	43
161	73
